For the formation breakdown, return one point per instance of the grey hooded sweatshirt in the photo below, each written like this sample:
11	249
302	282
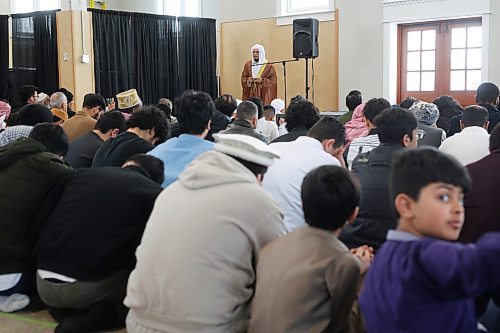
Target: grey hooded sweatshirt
196	264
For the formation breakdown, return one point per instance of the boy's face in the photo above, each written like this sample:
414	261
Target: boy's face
438	212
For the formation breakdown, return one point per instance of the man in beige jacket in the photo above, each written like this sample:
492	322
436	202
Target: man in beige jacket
196	263
84	121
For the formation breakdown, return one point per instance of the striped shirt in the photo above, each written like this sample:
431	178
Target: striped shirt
362	145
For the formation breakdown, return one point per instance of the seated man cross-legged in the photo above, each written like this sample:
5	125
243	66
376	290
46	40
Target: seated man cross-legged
92	224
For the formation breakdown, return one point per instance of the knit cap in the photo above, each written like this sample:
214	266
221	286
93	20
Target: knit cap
426	113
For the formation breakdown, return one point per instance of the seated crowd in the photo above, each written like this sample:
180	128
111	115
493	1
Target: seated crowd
215	216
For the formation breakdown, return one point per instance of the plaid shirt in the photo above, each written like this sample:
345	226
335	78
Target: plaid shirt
13	133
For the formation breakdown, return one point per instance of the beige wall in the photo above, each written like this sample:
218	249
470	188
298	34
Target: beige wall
74	75
238	37
494	56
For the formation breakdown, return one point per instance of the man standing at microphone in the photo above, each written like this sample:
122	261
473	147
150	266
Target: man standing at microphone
258	77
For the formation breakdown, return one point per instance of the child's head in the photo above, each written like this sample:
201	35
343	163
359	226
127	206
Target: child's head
269	112
428	187
330	197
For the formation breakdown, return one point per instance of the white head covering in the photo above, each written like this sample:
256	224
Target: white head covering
278	105
262	59
245	147
42	97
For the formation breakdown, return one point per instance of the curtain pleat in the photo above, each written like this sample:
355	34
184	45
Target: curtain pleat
4	56
155	54
34	51
46	55
134	50
197	55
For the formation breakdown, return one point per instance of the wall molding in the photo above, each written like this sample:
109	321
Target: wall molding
406	2
320	15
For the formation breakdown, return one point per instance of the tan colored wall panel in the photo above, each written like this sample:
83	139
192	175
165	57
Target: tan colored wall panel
73	74
238	37
65	45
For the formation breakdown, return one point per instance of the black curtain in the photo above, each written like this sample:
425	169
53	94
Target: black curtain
46	55
34	50
113	52
134	50
4	56
23	53
156	56
197	55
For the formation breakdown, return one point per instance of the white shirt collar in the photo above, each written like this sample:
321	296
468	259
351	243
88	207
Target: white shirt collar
402	236
475	129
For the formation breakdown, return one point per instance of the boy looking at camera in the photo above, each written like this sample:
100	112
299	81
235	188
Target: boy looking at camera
420	281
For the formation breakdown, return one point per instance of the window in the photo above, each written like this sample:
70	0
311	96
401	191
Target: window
27	6
289	7
441	58
180	7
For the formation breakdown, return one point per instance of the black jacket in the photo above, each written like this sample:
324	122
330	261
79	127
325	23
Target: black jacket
376	214
115	151
445	116
292	135
429	136
493	117
27	174
82	150
219	123
243	127
94	221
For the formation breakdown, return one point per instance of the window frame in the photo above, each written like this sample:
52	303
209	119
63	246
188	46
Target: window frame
285	8
161	8
442	61
36	6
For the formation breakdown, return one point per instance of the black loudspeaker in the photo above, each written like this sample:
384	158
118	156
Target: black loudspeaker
305	38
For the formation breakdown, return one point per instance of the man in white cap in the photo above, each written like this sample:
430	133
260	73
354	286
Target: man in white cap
258	77
196	264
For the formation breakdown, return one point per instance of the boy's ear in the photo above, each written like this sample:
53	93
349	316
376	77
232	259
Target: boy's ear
115	132
404	206
406	140
353	216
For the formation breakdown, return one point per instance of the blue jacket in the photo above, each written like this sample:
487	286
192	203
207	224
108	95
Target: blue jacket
178	152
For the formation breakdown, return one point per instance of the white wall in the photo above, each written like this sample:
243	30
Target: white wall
4	6
243	10
140	6
360	48
494	41
209	8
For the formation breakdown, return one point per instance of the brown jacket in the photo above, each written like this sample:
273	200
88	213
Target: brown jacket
306	282
266	91
78	125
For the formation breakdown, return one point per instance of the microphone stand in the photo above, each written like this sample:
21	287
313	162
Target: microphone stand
283	62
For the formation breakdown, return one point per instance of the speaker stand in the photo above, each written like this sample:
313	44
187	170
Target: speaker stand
283	62
307	78
284	80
